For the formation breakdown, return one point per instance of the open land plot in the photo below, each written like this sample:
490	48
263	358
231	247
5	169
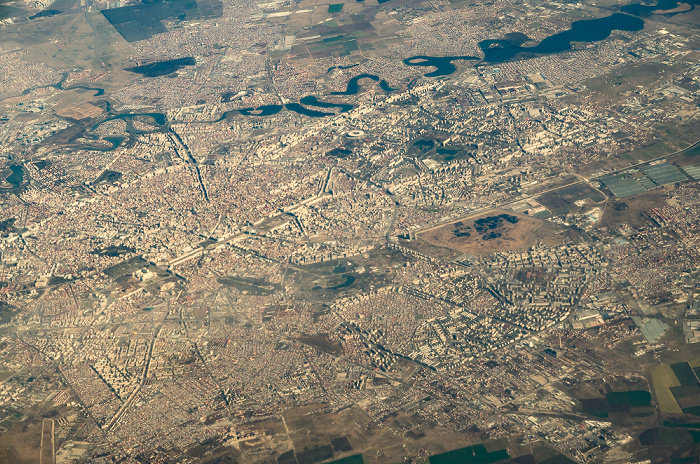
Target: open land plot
563	201
684	373
82	111
607	165
614	84
544	453
679	136
126	267
695	364
21	443
664	379
552	182
633	210
310	429
57	41
492	232
689	158
648	152
615	397
47	442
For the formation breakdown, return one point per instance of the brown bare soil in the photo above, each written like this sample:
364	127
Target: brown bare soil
466	235
83	111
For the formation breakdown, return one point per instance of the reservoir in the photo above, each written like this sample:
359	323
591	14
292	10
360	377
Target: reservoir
265	110
443	64
640	9
313	101
158	118
162	68
11	178
297	108
98	91
353	86
495	51
591	30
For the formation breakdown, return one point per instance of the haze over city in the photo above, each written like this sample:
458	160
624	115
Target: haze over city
370	232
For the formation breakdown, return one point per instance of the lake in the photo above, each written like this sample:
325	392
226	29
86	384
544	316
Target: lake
13	176
443	64
641	9
162	68
591	30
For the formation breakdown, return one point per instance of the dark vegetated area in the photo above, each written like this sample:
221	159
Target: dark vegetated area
143	21
162	68
341	444
108	177
315	455
113	250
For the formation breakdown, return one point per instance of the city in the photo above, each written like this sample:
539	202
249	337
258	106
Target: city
365	232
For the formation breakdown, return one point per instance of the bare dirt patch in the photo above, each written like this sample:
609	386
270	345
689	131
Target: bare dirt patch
492	232
83	111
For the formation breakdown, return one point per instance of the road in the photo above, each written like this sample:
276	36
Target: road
125	406
44	437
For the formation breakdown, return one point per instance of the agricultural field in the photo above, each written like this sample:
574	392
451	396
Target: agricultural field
677	388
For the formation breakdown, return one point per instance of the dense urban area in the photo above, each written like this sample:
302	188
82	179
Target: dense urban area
393	231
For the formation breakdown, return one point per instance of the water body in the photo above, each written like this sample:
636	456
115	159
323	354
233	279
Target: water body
640	9
15	177
310	100
341	67
313	101
591	30
162	68
297	108
59	86
349	280
158	118
45	14
265	110
495	51
7	11
353	87
98	91
443	64
339	269
384	85
115	141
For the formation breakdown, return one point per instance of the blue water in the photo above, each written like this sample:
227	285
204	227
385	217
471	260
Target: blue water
442	64
265	110
353	86
98	90
341	67
640	9
591	30
495	51
313	101
297	108
162	68
16	176
159	118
